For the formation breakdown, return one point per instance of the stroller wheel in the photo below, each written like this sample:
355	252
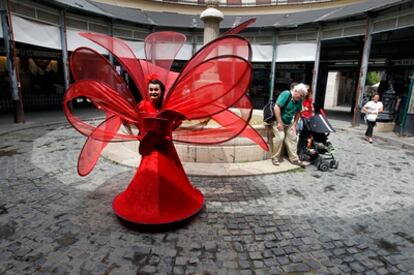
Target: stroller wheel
323	166
336	165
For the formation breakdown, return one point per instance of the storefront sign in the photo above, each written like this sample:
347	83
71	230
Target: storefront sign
403	62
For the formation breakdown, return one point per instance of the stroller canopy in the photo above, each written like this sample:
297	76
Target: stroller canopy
320	124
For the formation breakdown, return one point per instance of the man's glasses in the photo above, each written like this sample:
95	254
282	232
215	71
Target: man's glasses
154	89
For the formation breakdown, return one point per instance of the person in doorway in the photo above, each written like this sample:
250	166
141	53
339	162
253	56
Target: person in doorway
287	111
305	116
372	109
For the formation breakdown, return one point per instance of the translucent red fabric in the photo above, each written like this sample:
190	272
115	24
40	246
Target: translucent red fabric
160	51
212	86
240	27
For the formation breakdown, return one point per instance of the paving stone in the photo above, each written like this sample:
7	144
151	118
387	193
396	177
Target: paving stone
344	268
270	262
382	271
178	270
148	269
278	251
244	264
295	259
255	256
338	251
297	268
335	270
181	261
283	260
258	264
290	249
313	264
230	264
393	269
328	245
267	254
357	267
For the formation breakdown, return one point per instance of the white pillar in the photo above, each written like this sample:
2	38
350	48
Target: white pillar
10	47
315	72
273	67
211	18
363	71
63	41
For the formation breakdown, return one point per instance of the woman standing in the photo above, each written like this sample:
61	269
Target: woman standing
160	191
372	109
306	115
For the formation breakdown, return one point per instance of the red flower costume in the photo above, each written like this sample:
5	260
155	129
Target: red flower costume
212	85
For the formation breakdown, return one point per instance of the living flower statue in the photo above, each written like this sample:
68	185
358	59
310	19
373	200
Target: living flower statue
212	85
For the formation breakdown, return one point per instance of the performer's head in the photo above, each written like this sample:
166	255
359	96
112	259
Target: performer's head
375	97
156	91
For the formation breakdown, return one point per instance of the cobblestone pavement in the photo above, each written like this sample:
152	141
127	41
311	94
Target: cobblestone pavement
354	220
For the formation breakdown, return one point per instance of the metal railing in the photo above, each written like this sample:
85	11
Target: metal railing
243	3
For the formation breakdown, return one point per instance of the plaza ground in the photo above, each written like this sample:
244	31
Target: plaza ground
358	219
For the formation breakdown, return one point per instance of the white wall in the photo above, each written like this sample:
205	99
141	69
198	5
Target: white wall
332	87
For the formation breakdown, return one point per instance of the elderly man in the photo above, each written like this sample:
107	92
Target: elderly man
287	112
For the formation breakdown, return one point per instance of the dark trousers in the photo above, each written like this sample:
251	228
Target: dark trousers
370	128
303	137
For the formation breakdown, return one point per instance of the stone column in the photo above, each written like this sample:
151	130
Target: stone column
211	18
12	65
273	67
363	71
63	42
315	72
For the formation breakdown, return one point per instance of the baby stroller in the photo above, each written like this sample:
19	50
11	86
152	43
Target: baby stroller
319	151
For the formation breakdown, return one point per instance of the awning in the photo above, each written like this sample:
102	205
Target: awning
48	36
262	53
75	40
34	33
294	52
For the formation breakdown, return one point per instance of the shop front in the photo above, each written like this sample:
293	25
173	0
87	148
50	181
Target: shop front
41	78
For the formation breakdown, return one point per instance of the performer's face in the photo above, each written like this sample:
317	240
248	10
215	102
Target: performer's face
154	91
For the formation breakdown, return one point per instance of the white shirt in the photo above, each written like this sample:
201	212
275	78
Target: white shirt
372	108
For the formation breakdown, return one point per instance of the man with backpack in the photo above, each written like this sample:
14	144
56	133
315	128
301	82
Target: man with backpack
287	112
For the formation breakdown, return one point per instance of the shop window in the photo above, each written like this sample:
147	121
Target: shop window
23	10
123	33
233	2
76	24
98	28
263	2
48	17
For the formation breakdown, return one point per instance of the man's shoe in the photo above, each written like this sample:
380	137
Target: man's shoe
298	163
275	162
